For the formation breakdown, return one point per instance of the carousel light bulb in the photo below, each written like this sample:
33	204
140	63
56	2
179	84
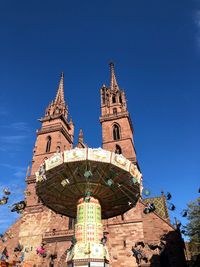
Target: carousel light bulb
146	192
109	182
88	174
134	180
65	182
87	196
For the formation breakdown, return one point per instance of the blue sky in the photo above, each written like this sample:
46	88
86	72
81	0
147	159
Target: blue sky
155	46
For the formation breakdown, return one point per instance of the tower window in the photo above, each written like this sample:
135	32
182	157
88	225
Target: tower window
114	99
103	99
48	146
103	96
58	149
118	149
116	134
114	111
120	99
71	223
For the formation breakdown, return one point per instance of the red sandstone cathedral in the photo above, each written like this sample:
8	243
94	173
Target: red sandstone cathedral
152	235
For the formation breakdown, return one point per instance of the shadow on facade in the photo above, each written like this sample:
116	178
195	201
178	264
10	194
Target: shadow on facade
172	254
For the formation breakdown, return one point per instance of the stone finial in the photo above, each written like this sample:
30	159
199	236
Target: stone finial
71	121
80	140
80	136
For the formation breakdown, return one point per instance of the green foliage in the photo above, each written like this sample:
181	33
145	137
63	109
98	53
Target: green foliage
193	227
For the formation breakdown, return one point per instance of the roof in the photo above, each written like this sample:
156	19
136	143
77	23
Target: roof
160	205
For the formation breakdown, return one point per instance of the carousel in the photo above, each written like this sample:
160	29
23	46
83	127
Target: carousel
89	185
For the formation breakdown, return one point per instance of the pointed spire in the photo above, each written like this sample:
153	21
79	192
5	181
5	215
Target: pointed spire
58	106
80	140
80	136
113	82
60	93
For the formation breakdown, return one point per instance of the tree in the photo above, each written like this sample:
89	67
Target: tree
193	230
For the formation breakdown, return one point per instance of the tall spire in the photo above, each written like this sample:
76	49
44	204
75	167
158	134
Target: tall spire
58	106
113	82
60	93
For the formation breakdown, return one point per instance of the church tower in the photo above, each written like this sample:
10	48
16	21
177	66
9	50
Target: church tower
38	223
117	129
56	134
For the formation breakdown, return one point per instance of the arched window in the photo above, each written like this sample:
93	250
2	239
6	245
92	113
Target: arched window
120	99
103	96
114	99
116	134
114	111
48	146
103	99
58	149
118	149
124	243
71	223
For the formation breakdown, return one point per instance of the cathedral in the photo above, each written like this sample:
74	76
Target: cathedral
134	238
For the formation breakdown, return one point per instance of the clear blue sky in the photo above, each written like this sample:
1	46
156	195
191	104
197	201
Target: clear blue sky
156	49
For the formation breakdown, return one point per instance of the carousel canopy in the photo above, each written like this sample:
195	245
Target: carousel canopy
83	172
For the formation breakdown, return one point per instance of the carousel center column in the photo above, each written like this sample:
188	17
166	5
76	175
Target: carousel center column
88	250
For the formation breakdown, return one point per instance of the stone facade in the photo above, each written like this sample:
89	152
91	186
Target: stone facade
39	224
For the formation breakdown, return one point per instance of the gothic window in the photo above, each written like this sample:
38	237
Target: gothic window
57	110
116	134
71	223
103	96
114	111
120	99
124	243
118	149
58	149
48	146
103	99
114	99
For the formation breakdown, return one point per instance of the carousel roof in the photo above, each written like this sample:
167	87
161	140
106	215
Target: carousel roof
82	172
